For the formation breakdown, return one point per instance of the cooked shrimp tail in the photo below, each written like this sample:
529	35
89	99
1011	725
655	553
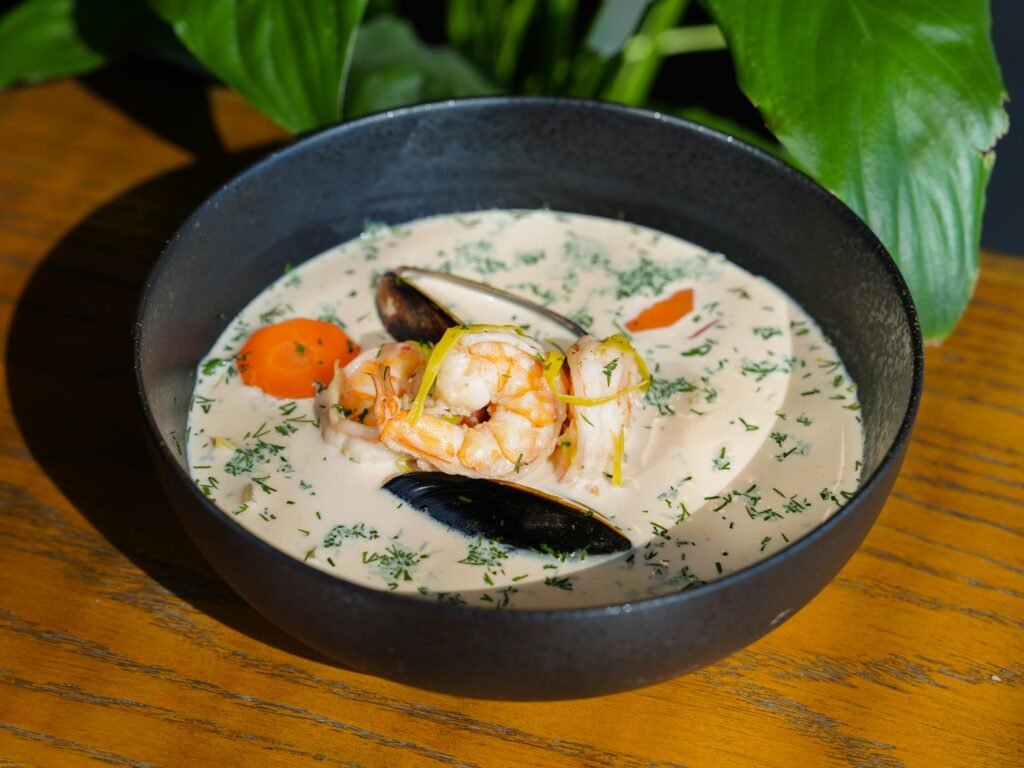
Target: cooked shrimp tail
608	378
349	403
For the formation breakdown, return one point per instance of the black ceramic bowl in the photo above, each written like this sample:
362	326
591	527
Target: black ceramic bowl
528	153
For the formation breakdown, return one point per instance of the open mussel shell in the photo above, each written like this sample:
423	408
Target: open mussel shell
512	514
408	314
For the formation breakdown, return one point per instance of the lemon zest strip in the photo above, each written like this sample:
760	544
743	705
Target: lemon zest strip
620	451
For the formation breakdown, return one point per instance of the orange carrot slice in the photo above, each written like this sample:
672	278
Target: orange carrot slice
288	358
665	312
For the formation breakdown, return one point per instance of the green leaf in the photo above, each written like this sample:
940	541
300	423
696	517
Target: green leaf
288	58
612	25
641	56
391	67
894	106
596	58
515	22
43	39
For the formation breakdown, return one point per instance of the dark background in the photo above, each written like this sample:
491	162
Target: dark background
1003	227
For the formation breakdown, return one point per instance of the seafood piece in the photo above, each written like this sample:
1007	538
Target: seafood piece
349	400
608	380
484	408
512	514
408	313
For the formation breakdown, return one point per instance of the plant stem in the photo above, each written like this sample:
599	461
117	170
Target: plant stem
675	41
641	58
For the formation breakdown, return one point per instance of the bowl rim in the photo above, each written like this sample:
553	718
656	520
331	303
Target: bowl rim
495	103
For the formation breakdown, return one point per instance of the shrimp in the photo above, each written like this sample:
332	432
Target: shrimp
490	412
351	396
593	443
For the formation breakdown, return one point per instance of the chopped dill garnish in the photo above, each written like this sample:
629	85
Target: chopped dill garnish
561	582
721	461
610	368
275	312
662	390
395	563
262	483
337	535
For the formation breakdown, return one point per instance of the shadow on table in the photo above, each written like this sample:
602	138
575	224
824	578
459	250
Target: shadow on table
70	382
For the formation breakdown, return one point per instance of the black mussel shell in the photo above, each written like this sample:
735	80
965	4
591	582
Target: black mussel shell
512	514
408	314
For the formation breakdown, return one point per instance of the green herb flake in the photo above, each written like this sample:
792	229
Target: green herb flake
721	461
661	391
700	351
274	313
560	582
339	533
609	369
683	514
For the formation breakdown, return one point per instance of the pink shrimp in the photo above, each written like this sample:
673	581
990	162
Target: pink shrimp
489	414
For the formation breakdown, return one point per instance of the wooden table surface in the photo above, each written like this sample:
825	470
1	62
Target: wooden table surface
119	645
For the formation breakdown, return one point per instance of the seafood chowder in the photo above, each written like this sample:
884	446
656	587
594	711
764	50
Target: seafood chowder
596	413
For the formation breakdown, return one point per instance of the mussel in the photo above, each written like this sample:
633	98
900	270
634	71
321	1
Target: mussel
513	514
409	314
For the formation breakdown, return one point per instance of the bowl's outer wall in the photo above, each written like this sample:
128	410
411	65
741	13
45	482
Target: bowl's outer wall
573	156
518	655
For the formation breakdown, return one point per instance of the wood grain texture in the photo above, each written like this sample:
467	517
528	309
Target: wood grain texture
119	646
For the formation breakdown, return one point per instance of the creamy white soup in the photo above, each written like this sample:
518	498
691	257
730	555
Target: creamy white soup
748	438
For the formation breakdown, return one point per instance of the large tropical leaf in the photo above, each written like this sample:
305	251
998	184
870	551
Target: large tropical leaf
39	40
894	106
45	39
288	58
392	67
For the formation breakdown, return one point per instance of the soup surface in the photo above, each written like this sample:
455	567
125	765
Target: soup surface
748	438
